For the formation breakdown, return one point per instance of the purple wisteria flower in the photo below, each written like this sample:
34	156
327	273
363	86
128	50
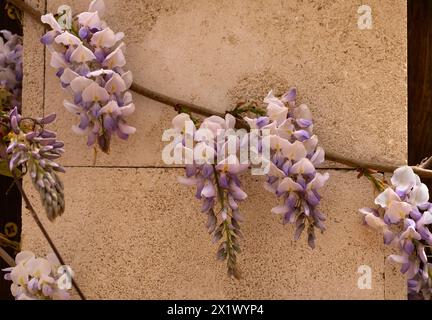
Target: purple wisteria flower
89	58
11	70
26	145
294	153
403	216
35	148
215	174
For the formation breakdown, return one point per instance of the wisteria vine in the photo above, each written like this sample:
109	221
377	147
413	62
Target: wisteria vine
27	147
89	59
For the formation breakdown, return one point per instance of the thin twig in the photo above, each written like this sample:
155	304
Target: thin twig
6	257
381	167
173	102
30	207
427	163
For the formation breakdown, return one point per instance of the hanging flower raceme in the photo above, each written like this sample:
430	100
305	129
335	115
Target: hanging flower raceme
294	154
11	72
404	216
36	148
89	58
26	146
39	278
213	167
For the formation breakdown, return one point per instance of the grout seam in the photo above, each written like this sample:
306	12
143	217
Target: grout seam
173	167
44	69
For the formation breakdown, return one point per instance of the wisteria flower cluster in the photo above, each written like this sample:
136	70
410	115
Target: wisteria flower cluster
36	148
294	155
89	58
216	177
404	216
11	70
39	278
25	142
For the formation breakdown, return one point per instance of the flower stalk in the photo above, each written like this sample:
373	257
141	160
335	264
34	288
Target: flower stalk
35	217
6	257
227	249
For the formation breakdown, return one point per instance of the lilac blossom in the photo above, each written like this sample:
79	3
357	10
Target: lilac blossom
89	58
294	155
216	178
39	278
403	217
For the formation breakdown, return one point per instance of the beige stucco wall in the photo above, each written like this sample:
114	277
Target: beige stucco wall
130	231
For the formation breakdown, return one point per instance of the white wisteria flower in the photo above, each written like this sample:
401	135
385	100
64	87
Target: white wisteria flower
403	217
39	278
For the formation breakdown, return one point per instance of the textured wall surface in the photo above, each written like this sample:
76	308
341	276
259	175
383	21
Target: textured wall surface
130	231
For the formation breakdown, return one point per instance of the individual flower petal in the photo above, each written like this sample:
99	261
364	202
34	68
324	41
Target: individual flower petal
288	185
127	78
282	209
80	83
279	144
97	6
410	233
397	211
57	60
386	197
127	110
68	75
290	95
275	171
67	39
100	72
209	190
24	256
105	38
425	219
115	58
236	192
304	166
303	112
318	181
126	128
48	38
90	20
94	93
51	21
419	195
294	151
398	259
404	178
271	99
115	84
82	54
311	144
318	156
